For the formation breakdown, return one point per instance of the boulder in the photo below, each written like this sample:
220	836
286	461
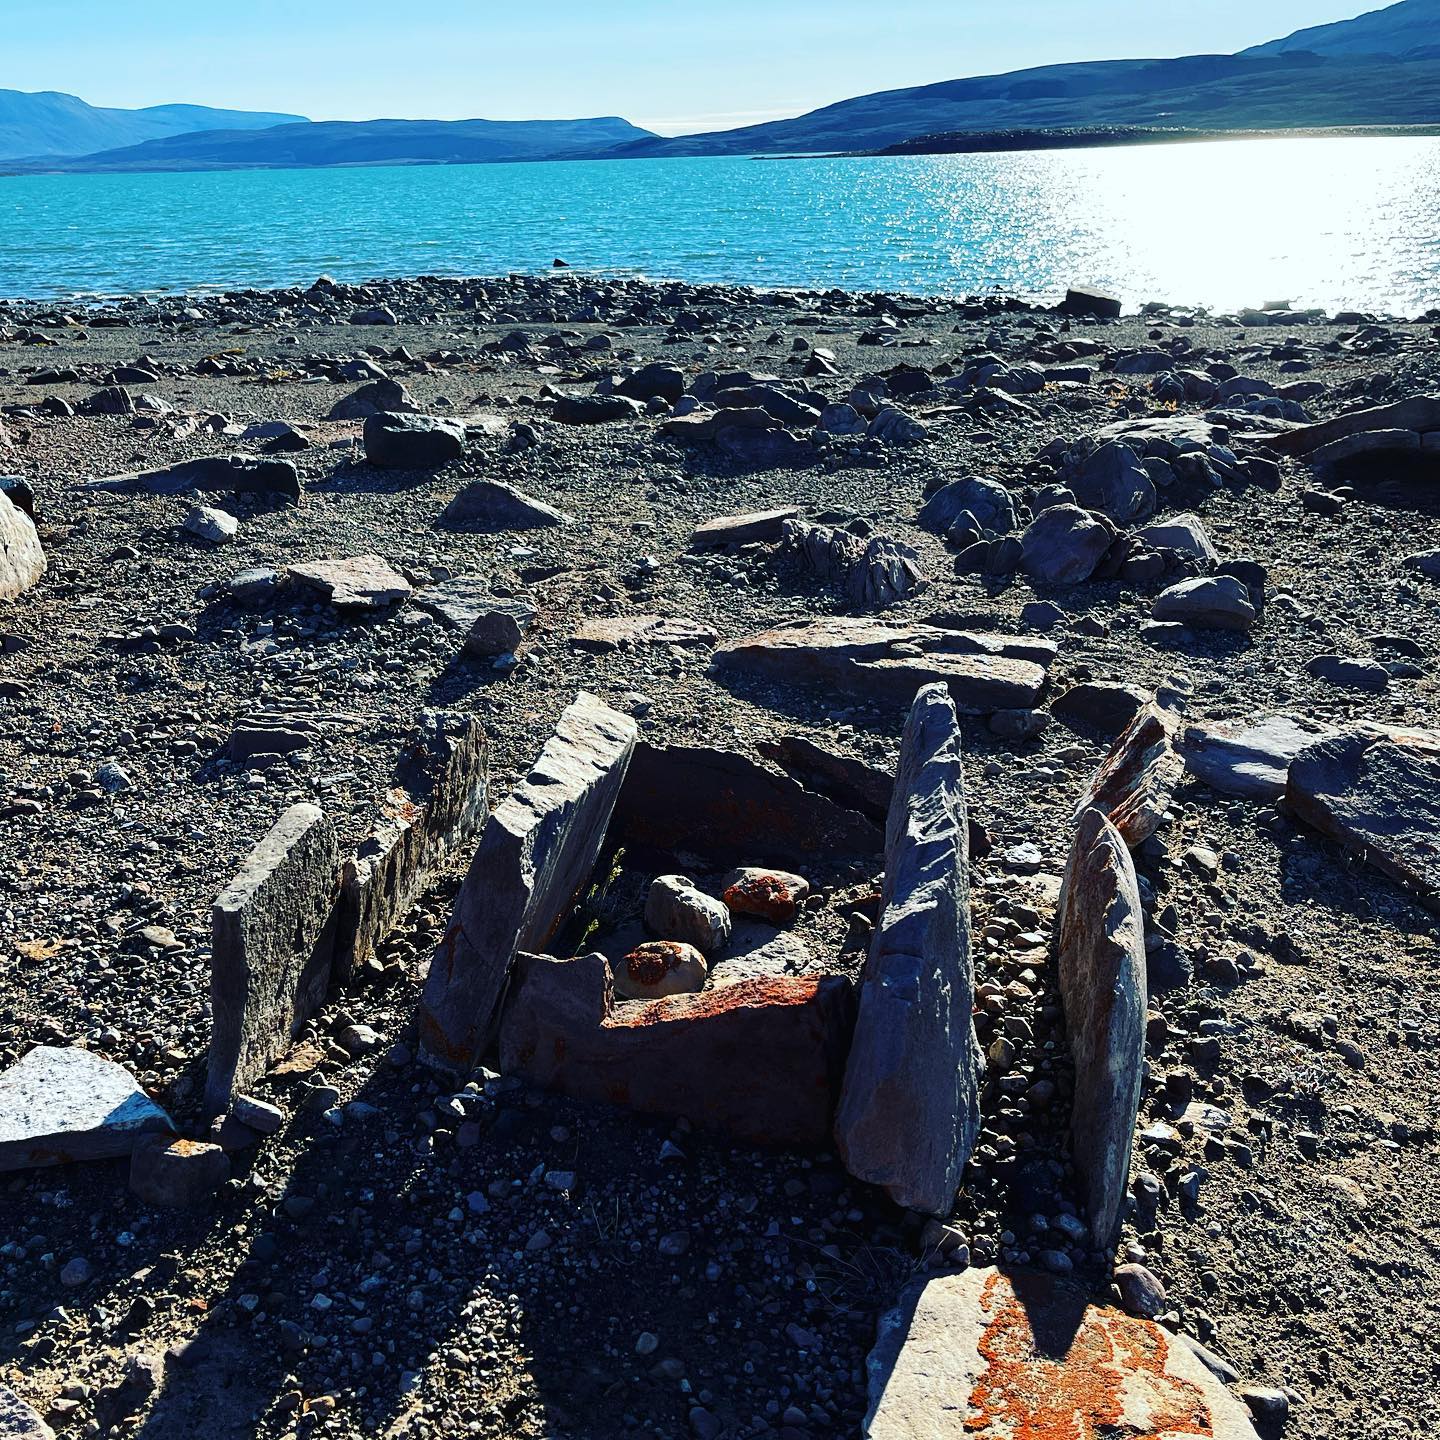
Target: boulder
18	1421
1349	673
987	500
982	1354
760	1059
177	1173
676	910
242	474
535	856
59	1105
1134	786
360	582
875	661
1113	481
379	396
492	505
272	941
774	896
1426	562
438	801
1081	300
412	442
732	811
764	526
595	409
1064	545
654	382
1100	959
910	1105
1183	533
1251	760
1376	789
1105	706
1211	602
870	569
22	561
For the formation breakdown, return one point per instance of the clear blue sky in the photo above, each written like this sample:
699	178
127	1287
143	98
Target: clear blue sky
670	65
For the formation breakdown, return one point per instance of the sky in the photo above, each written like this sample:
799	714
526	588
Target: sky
669	65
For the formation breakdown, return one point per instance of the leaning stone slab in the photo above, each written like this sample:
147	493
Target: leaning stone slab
1419	413
910	1107
1136	782
18	1421
492	505
535	855
875	661
439	800
58	1105
760	1059
756	526
22	561
244	474
727	808
982	1355
1100	958
272	942
1376	789
1249	760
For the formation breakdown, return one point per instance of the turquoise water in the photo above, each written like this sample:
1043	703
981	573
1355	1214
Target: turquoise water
1334	223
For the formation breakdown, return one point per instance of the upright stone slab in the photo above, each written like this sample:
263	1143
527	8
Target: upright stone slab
273	938
1136	782
22	561
440	799
18	1421
1376	789
910	1107
982	1355
63	1104
760	1059
535	855
1101	964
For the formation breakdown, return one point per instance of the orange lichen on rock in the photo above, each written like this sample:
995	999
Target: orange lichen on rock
1108	1378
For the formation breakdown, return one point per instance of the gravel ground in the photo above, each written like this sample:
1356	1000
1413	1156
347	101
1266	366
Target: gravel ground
493	1262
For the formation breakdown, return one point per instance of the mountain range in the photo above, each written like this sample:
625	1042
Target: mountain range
1380	69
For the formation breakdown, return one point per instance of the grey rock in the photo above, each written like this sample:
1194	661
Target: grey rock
381	395
241	474
1427	562
1113	481
491	505
909	1107
1249	760
412	442
206	523
22	560
535	854
491	625
1211	602
595	409
895	427
1081	300
255	585
271	950
760	525
1184	533
1100	957
18	1421
1141	1291
1064	545
1367	675
987	500
877	570
178	1173
676	910
438	800
1376	789
59	1105
666	382
989	1353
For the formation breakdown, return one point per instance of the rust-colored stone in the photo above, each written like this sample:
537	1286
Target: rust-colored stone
1136	782
766	894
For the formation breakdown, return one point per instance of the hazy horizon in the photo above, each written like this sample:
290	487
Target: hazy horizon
671	70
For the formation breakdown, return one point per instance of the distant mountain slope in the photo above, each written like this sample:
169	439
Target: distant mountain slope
50	123
367	142
1201	91
1412	25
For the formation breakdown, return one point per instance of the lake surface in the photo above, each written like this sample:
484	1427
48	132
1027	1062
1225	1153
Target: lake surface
1332	223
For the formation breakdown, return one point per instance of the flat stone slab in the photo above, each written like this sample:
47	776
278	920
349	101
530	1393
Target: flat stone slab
22	560
61	1104
272	941
910	1107
733	811
1376	789
1100	958
875	661
18	1421
756	526
491	624
1136	782
361	582
440	799
985	1356
1251	760
535	856
619	631
242	474
1417	413
760	1059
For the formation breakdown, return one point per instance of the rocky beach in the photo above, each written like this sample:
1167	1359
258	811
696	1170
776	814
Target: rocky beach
1051	689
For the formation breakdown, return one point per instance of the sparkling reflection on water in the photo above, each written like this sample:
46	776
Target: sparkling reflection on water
1333	223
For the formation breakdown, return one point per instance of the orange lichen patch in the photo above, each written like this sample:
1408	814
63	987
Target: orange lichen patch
650	963
777	990
767	896
1099	1377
